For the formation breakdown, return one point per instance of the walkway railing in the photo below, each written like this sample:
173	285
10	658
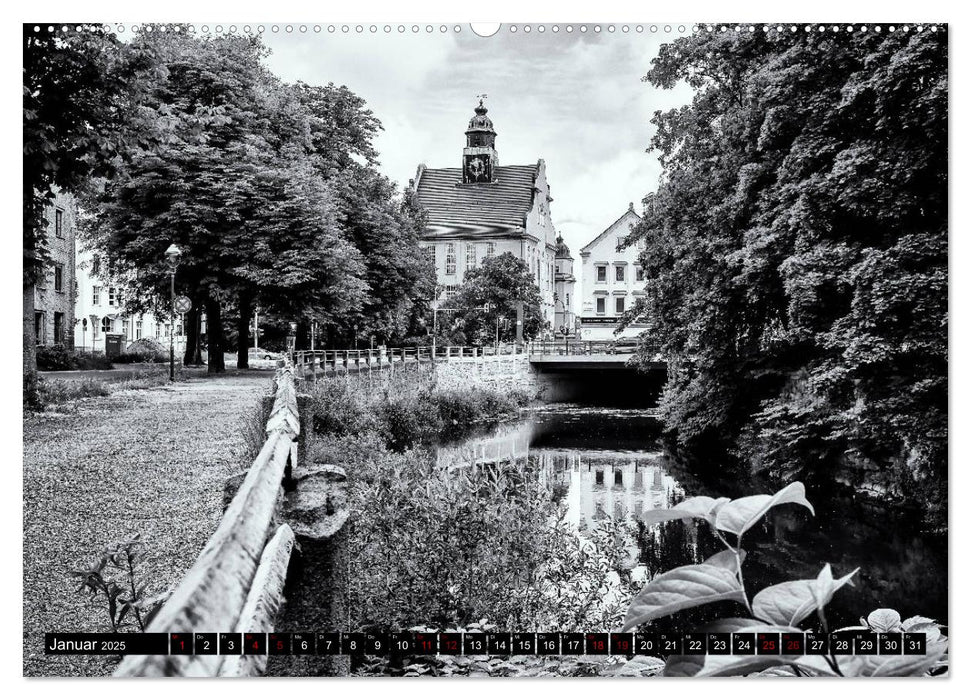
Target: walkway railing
622	346
351	360
236	583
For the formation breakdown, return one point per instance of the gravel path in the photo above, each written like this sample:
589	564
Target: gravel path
144	461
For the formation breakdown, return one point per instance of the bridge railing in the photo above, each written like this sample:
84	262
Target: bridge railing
349	360
236	583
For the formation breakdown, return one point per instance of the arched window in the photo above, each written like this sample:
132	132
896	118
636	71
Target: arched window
106	324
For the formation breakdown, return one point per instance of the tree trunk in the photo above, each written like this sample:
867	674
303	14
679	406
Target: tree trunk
31	397
192	353
242	330
214	333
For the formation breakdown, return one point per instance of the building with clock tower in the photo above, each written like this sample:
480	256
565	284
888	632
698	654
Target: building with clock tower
483	209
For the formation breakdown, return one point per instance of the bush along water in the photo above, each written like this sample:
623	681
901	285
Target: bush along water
776	609
477	546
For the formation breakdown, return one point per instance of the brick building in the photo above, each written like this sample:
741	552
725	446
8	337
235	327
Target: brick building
55	293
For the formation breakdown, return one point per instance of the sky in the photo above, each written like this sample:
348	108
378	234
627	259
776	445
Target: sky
576	100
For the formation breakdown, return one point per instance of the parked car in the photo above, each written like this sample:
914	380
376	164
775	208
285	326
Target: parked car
264	354
623	346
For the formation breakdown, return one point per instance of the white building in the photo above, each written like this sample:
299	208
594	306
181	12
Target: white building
100	310
484	209
611	280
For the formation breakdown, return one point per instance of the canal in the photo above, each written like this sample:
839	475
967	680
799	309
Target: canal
609	462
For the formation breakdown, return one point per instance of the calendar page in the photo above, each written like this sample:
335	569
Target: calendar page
423	349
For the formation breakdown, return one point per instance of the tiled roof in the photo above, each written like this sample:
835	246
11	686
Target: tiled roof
477	209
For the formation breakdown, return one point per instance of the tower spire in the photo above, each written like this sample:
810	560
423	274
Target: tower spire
479	157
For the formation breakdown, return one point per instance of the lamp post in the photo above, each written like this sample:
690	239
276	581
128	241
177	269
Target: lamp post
172	255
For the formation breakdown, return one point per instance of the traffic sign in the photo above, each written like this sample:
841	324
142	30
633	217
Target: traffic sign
183	304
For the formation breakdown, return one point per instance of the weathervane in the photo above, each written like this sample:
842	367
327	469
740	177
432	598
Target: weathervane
481	97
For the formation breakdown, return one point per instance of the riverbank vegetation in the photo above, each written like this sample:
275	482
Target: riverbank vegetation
435	545
796	255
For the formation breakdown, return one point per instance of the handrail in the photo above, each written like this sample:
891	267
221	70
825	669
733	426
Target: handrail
239	569
383	357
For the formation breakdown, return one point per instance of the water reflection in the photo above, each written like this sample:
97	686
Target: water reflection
604	462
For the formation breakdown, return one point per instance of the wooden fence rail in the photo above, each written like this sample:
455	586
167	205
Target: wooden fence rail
236	583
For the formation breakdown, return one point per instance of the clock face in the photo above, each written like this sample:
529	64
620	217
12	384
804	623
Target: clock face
477	169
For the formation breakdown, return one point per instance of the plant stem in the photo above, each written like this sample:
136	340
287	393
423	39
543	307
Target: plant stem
131	584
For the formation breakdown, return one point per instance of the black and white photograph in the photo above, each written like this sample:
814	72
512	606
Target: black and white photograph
533	350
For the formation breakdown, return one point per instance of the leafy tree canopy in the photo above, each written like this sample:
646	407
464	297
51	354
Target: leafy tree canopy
796	248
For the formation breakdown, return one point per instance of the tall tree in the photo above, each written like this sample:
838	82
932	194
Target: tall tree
796	250
81	90
491	293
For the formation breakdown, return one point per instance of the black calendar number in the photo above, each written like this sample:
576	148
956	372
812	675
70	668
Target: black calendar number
328	643
865	643
647	644
719	643
352	644
548	643
206	643
475	643
743	643
817	644
891	644
230	643
376	644
694	644
524	643
841	643
915	643
500	644
571	643
302	643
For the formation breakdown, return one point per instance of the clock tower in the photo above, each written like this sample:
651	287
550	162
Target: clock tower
479	157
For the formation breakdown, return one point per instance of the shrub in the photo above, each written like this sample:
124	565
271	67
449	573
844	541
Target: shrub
57	358
778	608
144	350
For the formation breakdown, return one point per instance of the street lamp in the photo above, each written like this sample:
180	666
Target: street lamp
172	256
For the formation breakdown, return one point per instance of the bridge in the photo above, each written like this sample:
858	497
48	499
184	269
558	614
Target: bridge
567	355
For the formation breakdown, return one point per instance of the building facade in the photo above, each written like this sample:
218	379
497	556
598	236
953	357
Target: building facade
564	284
54	294
101	310
483	209
612	280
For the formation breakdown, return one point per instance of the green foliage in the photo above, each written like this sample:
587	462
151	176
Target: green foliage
125	597
405	412
499	282
777	608
58	392
57	358
796	251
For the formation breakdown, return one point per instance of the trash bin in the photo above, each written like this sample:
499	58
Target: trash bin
114	342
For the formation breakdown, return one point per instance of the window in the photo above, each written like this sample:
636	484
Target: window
58	327
490	250
619	305
639	273
601	306
125	327
59	223
59	278
106	324
568	300
619	272
620	242
138	329
112	296
451	290
95	295
469	256
96	265
39	328
430	254
449	258
601	273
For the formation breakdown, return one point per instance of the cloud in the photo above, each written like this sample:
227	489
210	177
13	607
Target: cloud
575	100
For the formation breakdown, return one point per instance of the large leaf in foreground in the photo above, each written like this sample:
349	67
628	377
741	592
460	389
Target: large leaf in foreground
716	665
681	588
792	602
702	507
739	515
